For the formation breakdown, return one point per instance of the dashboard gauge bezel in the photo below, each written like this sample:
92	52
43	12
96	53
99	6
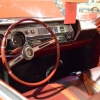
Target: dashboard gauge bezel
2	39
22	39
1	36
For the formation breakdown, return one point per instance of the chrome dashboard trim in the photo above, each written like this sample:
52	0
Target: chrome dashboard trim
89	25
44	20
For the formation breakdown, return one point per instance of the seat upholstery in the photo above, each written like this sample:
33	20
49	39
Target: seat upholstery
68	88
95	97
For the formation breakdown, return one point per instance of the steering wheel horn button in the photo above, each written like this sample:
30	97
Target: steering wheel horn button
28	52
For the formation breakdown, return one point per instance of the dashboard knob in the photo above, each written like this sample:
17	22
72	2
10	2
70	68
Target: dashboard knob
27	32
32	32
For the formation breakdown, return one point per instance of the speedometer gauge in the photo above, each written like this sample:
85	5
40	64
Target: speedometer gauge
18	39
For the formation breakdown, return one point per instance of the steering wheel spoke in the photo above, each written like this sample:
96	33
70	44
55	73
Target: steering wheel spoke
15	60
44	44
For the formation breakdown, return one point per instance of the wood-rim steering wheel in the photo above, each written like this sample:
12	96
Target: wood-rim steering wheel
24	52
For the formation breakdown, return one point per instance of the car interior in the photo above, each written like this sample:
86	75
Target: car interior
45	59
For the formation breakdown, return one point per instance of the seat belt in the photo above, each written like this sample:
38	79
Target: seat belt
93	83
85	81
87	84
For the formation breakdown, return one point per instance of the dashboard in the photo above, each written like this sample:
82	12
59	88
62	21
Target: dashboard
34	34
69	35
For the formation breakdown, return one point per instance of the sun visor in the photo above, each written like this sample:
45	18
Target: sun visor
29	8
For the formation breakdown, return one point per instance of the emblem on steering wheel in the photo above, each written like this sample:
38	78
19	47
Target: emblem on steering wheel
28	52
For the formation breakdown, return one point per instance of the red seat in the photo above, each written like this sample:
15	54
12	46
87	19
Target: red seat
68	88
95	97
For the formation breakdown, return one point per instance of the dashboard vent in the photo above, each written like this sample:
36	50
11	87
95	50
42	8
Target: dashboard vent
43	31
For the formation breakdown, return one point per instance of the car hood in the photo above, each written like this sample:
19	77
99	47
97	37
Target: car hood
30	8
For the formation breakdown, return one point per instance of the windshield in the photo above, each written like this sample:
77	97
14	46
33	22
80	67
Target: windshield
88	11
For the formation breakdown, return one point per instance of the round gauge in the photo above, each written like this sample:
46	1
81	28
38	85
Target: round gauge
69	36
18	39
1	38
